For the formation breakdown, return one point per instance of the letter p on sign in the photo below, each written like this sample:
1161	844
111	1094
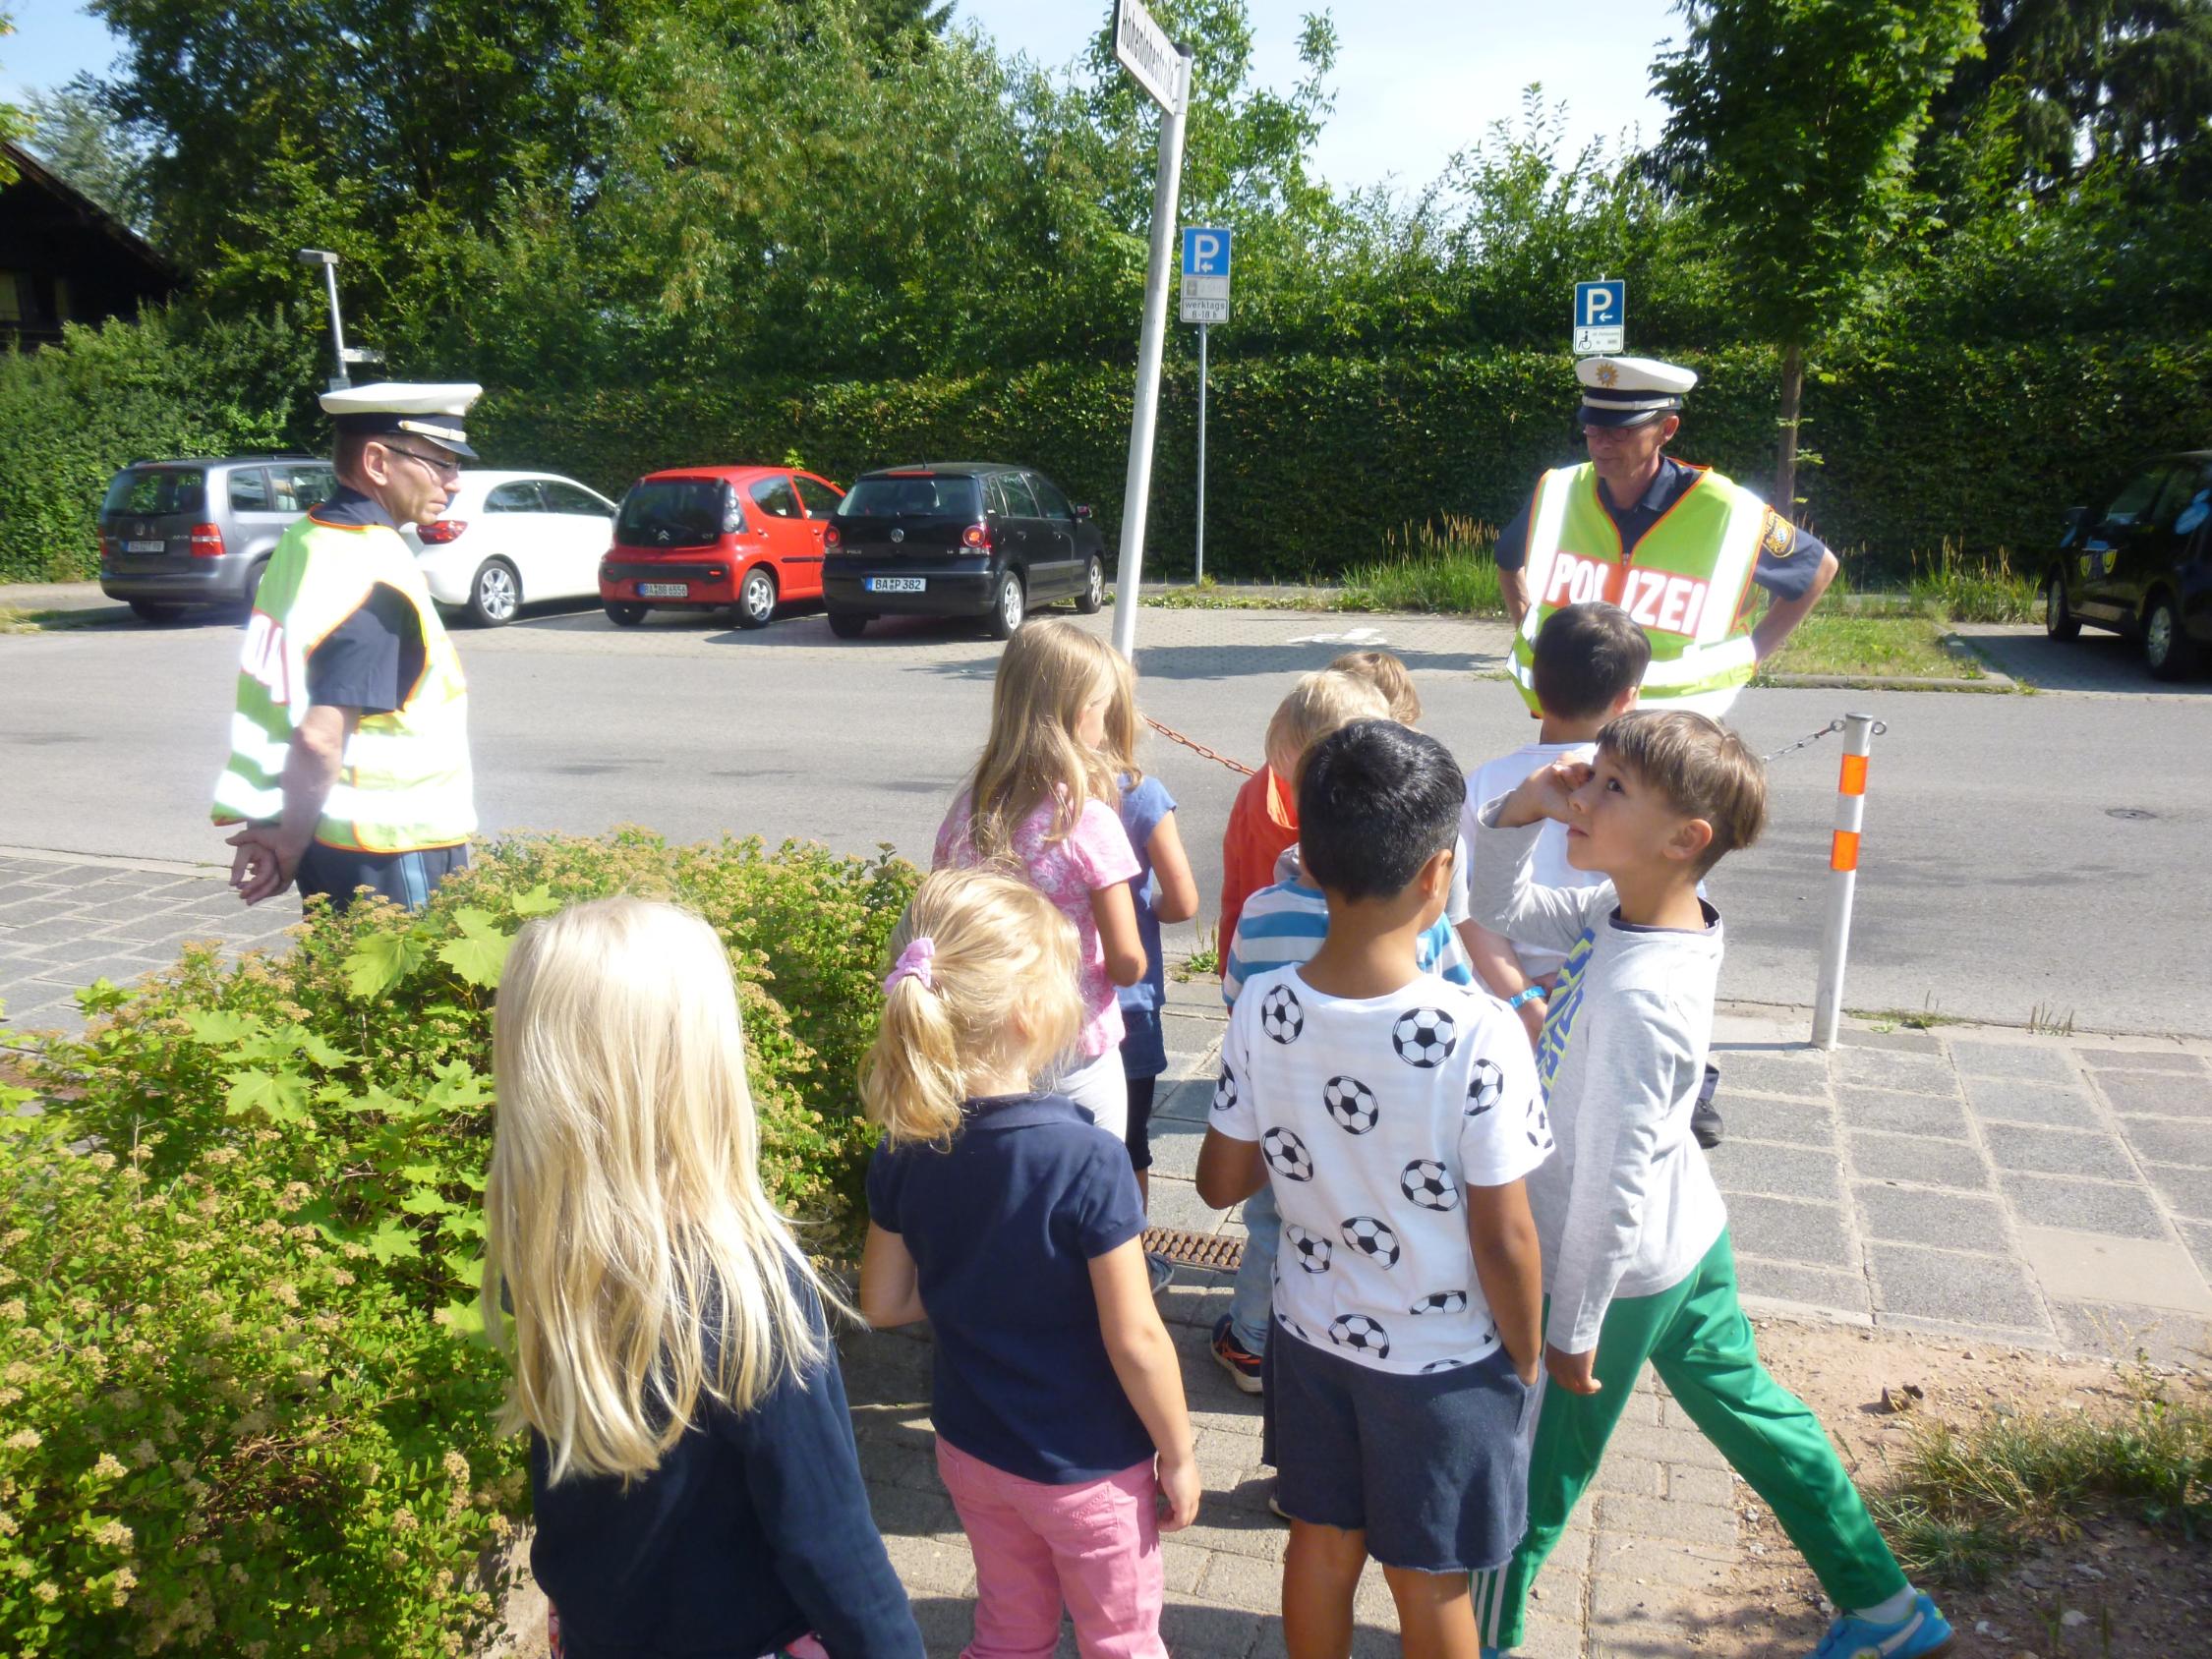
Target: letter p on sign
1596	302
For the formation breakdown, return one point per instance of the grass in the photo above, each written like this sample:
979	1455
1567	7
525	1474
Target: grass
1205	960
1925	1018
1947	585
1209	594
14	620
1444	565
1972	1499
1857	646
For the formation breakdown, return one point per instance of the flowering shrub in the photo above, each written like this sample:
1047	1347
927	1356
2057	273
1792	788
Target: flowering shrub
244	1395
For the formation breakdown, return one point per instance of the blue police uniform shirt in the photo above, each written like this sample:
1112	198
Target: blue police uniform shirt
1789	558
375	657
1003	1224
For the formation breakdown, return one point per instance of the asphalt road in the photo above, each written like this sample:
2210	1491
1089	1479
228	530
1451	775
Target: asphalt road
2023	855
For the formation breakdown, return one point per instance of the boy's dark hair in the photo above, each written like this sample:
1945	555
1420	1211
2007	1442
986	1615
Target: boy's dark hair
1701	767
1585	656
1375	802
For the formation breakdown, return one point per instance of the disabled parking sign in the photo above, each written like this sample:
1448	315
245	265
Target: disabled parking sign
1601	323
1205	273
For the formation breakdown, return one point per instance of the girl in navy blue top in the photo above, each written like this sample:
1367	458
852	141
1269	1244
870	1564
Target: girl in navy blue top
1012	1222
697	1487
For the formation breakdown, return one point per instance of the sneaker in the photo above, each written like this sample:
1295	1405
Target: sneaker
1241	1364
1920	1635
1705	1121
1162	1271
1275	1504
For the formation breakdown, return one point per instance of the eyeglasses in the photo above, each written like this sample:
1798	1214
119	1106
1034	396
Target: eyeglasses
438	469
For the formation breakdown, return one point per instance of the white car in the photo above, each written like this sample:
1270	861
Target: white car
514	539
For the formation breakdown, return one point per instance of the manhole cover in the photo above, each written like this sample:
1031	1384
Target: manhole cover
1213	1252
2129	812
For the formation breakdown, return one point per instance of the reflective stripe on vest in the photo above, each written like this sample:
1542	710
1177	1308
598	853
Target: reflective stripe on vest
1683	583
405	781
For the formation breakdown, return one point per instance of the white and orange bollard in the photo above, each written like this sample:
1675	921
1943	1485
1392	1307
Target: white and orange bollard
1844	876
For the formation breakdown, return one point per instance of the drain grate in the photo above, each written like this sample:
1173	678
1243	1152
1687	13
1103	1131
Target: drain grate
1213	1252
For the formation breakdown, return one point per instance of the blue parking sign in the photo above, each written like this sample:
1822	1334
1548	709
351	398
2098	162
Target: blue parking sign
1600	316
1206	250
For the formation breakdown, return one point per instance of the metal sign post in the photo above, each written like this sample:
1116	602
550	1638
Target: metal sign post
1163	69
1843	867
1600	316
1206	256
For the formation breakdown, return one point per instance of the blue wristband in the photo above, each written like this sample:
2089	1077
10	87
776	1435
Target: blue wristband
1527	994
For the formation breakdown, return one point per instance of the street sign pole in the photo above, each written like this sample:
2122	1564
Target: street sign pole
1132	20
1198	564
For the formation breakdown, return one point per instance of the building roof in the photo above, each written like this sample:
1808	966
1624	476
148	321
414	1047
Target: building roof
74	206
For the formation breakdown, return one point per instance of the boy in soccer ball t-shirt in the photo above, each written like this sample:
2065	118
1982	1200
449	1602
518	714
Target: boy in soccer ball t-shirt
1393	1117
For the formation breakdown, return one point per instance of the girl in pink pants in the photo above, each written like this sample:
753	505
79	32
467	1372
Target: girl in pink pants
1010	1221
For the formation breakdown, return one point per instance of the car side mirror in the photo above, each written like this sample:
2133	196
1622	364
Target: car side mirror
2077	521
1082	509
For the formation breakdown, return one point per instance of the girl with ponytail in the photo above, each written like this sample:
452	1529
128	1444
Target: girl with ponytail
1011	1221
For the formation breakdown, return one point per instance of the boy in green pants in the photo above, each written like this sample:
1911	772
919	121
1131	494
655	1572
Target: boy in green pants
1637	1264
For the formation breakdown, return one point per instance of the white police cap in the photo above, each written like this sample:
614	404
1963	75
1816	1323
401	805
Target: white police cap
431	411
1627	391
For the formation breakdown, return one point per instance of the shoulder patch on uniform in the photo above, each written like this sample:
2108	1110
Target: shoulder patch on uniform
1779	539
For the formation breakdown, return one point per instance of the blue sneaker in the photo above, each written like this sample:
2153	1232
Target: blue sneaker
1921	1634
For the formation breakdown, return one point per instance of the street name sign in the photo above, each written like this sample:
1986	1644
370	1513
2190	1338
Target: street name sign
1601	317
1142	47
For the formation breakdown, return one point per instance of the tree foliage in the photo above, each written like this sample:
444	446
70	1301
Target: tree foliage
75	135
15	121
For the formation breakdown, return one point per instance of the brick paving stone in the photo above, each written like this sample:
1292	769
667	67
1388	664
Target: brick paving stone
1900	1041
71	875
2031	1062
1877	1154
2188	1192
2120	1333
1803	1072
2198	1235
52	929
1951	1220
121	970
26	912
2060	1152
2157	1094
1695	1485
1902	1113
1953	1287
2163	1141
2133	1060
1904	1073
1664	1518
2125	1211
1800	1122
2015	1101
1783	1171
1828	1289
1787	1230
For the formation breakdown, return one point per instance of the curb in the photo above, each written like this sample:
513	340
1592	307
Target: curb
115	861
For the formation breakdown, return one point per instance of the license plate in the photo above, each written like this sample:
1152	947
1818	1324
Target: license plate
664	590
145	546
897	585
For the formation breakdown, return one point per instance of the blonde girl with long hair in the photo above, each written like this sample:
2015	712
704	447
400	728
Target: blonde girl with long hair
1043	803
697	1488
1012	1223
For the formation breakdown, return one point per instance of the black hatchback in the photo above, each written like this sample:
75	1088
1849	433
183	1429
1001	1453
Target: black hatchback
977	539
2142	565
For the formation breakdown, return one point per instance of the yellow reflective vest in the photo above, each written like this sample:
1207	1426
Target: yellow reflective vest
1684	583
405	781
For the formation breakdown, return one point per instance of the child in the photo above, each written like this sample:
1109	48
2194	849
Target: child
691	1459
1590	662
1394	1115
1148	817
1013	1224
1636	1251
1263	818
1043	799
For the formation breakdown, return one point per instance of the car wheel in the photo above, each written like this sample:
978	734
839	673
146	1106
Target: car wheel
2059	619
623	616
2170	651
154	611
1008	609
756	597
849	624
495	594
1094	587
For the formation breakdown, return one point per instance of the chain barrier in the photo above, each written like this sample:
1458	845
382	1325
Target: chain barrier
1879	727
1169	732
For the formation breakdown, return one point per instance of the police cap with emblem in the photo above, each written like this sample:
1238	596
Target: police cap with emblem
1627	391
434	412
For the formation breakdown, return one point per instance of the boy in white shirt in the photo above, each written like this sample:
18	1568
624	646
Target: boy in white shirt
1394	1115
1637	1262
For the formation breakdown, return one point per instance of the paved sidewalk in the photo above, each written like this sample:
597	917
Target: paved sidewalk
2030	1191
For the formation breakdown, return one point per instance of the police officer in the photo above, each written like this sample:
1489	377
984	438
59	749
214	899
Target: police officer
349	761
1677	547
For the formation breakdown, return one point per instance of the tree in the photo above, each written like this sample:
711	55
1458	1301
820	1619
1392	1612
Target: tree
14	122
1792	127
78	136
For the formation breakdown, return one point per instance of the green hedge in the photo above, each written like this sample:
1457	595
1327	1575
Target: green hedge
245	1402
1312	460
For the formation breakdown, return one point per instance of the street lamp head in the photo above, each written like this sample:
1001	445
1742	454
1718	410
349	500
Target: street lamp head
316	257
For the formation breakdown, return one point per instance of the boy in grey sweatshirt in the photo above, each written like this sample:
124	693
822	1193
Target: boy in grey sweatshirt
1637	1264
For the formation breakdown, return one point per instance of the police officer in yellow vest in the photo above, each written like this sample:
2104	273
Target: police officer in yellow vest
349	762
1677	546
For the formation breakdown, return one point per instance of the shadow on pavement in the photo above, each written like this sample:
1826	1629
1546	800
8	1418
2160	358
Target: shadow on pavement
2096	662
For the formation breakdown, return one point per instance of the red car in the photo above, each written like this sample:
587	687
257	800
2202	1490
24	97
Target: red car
738	539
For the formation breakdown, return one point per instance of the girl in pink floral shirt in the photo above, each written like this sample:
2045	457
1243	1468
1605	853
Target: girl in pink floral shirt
1043	802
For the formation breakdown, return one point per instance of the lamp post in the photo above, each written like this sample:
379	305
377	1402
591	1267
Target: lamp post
329	261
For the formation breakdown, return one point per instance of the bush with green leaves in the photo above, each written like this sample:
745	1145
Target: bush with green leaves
254	1282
